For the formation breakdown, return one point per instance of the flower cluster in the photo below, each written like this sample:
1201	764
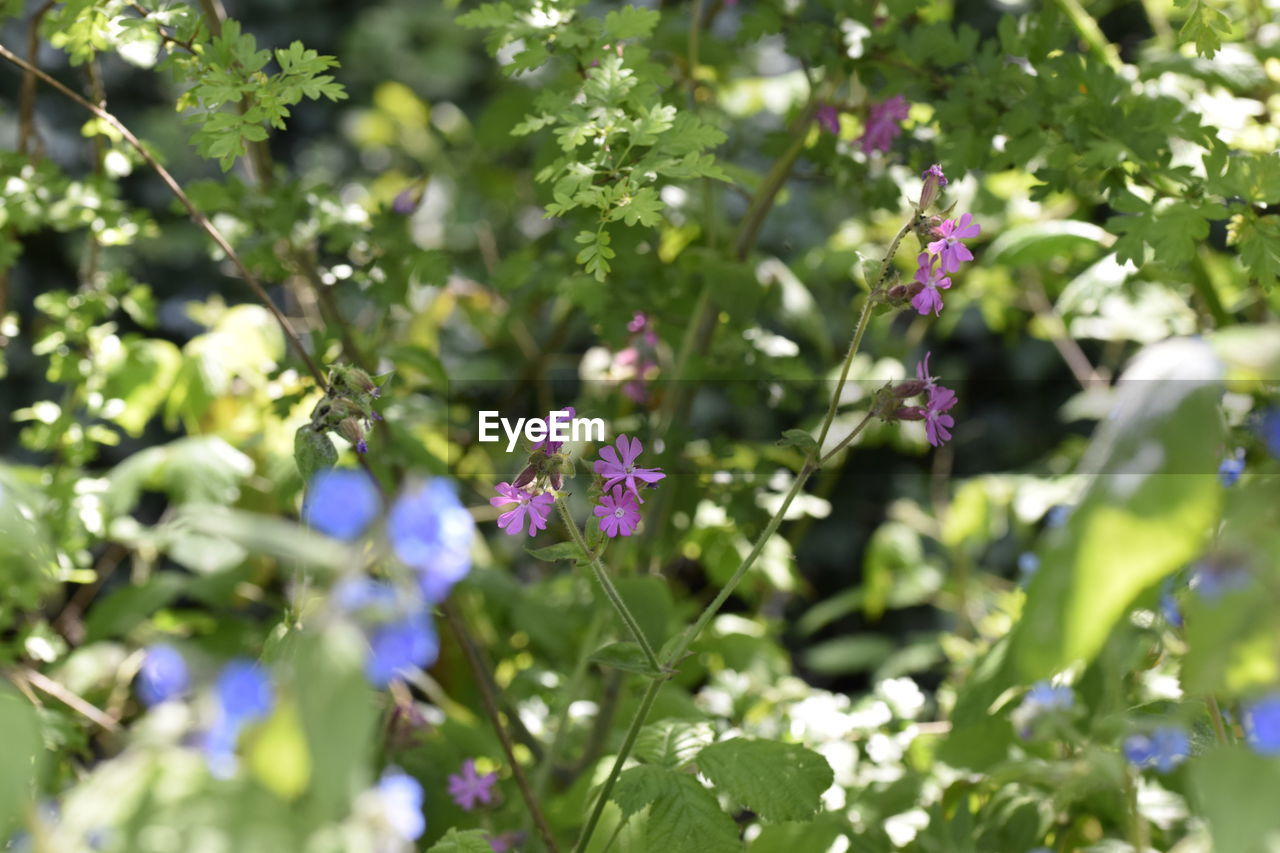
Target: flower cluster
346	409
883	124
428	530
889	404
393	807
531	497
944	256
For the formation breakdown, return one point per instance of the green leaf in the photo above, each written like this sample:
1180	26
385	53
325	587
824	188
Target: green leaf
277	753
1236	790
778	781
20	760
684	817
464	841
1206	26
1151	500
628	657
630	22
1258	238
815	835
313	452
798	438
555	553
672	743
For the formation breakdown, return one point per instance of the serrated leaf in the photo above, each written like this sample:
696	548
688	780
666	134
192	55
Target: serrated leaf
1206	26
465	841
672	743
627	656
630	22
778	781
687	819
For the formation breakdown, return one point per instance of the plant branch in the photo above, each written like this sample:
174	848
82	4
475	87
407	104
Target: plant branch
490	702
73	701
610	591
195	213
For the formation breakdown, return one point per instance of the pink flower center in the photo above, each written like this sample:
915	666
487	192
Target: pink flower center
619	512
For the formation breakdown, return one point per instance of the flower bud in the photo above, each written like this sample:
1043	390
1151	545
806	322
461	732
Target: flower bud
926	228
909	413
897	294
525	477
352	431
557	479
910	388
933	181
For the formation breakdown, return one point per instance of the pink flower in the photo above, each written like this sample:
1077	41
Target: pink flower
618	467
936	423
468	787
882	124
922	373
936	171
929	299
506	842
828	118
536	507
949	247
618	512
637	323
548	446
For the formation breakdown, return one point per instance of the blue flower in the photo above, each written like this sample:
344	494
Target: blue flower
1043	698
1164	748
360	595
243	694
1269	427
341	503
1057	515
1169	606
1028	564
1231	468
1218	575
431	531
401	796
163	675
399	646
1261	720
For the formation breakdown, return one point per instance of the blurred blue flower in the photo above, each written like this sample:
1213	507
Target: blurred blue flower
163	675
1164	748
243	694
1169	606
243	691
399	646
342	503
1261	720
1269	427
1218	575
1231	468
360	595
401	796
1057	515
1043	698
1028	564
431	531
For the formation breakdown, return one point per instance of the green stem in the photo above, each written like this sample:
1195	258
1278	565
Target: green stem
610	591
845	441
1092	34
1215	716
637	722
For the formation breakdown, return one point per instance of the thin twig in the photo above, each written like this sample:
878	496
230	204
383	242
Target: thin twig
52	688
490	702
196	214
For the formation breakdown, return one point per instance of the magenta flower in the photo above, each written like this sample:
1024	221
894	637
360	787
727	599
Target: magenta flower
469	788
618	512
828	118
936	171
882	124
548	446
638	323
536	507
619	467
949	247
929	299
922	373
936	423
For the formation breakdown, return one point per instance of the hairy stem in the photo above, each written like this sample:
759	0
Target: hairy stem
610	591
